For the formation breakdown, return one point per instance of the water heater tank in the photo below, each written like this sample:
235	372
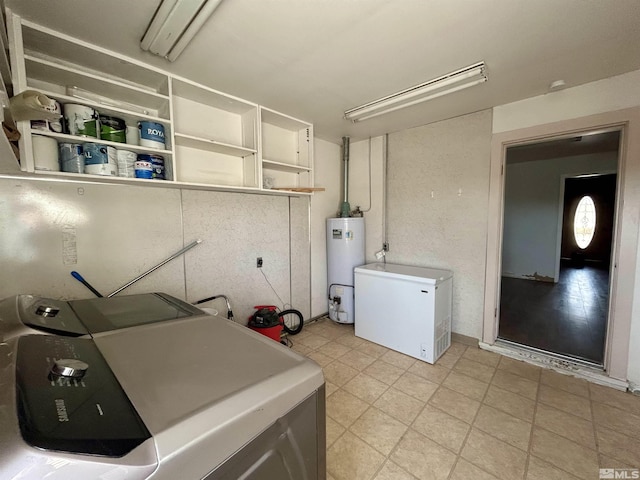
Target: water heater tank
345	251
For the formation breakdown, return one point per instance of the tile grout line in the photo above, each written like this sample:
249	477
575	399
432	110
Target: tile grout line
533	425
595	430
386	457
466	438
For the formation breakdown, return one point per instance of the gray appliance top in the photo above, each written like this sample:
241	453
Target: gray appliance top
206	383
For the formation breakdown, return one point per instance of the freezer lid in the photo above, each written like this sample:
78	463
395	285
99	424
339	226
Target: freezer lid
431	276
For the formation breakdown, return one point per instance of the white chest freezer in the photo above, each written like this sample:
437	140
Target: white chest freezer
404	308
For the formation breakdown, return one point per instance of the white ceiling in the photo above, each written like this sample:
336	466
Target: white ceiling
313	59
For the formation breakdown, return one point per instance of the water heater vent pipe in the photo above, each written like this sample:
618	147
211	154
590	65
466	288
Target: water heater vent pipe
345	208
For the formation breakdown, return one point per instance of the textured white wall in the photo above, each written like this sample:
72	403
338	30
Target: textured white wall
438	185
326	171
121	231
366	186
531	209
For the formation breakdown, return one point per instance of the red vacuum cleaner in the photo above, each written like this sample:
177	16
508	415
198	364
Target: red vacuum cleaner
268	321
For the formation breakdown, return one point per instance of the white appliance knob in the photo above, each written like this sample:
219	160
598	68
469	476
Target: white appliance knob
70	368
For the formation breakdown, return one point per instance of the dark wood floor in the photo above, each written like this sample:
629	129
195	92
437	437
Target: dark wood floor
569	317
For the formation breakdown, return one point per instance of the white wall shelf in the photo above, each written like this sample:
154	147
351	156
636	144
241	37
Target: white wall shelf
283	167
48	71
129	116
65	138
212	146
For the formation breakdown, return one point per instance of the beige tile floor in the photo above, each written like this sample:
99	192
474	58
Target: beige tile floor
472	415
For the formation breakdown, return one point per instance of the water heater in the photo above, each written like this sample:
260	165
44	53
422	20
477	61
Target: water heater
345	251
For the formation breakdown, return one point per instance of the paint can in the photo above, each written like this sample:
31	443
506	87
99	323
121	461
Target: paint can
151	135
81	120
50	125
126	161
143	168
71	157
45	153
158	167
100	159
113	129
157	163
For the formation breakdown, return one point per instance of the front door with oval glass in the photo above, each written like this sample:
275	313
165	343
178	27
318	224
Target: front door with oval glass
584	222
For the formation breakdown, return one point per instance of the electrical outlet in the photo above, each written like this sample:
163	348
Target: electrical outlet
259	262
385	247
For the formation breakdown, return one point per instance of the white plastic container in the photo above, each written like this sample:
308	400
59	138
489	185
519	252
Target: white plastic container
345	250
45	153
126	160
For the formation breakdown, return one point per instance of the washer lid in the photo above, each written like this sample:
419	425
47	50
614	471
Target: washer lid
112	313
171	371
204	386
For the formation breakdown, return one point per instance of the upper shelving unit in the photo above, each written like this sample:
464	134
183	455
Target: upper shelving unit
286	150
212	139
45	71
56	45
216	136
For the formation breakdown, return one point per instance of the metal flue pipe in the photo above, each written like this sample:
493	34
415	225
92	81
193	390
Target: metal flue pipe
346	208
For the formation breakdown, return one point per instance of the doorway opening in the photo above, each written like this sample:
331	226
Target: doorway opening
557	241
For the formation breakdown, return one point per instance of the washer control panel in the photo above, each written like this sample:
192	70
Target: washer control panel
69	400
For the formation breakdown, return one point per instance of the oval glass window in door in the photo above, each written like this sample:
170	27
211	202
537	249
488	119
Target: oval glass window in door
584	222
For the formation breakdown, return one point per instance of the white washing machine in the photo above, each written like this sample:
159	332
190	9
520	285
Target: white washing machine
149	387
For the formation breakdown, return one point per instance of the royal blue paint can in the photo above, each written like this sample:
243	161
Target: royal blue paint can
152	135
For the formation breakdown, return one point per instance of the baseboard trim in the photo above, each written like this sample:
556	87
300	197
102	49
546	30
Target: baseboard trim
464	339
560	365
317	317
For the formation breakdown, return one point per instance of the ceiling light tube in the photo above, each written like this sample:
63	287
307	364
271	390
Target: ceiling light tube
175	24
450	83
420	100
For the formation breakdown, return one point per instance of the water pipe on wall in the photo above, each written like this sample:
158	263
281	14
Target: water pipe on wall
345	209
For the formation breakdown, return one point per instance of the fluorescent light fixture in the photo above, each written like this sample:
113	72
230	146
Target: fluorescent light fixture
449	83
174	25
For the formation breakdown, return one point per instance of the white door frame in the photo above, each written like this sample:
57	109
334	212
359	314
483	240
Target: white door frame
625	249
